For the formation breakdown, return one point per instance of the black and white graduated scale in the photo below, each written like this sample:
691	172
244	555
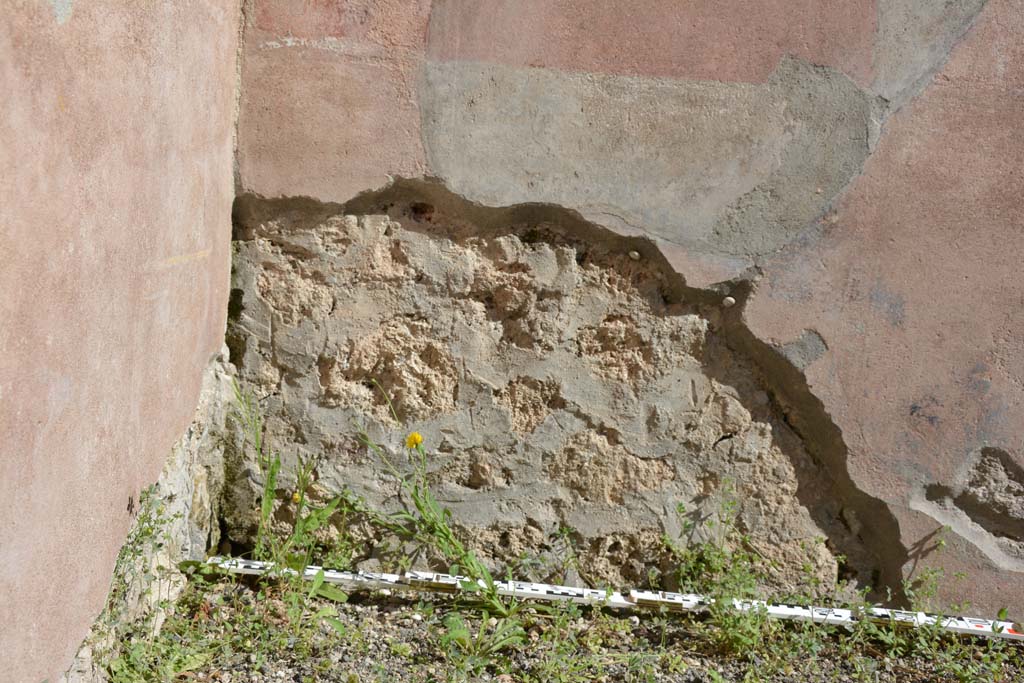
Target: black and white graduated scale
674	602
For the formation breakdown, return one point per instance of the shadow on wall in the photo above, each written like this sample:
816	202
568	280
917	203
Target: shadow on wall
770	386
985	503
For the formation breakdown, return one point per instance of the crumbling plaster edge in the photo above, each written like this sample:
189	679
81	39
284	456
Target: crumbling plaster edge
781	379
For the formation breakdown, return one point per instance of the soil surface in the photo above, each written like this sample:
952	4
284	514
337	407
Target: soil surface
394	638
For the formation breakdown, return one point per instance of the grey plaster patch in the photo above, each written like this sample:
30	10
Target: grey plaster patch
722	168
832	126
914	40
62	9
806	349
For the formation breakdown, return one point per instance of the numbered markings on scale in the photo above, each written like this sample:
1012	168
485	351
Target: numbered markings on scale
524	589
674	602
442	583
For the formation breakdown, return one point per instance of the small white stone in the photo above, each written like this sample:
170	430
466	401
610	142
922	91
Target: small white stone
635	620
635	255
728	302
416	616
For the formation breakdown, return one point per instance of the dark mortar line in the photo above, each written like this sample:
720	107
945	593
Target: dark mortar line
788	389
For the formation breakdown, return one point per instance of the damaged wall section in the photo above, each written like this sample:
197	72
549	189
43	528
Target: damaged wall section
562	375
985	503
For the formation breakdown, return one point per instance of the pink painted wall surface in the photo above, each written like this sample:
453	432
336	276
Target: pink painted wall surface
115	200
331	108
717	40
915	285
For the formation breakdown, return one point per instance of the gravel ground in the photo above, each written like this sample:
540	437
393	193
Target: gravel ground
391	638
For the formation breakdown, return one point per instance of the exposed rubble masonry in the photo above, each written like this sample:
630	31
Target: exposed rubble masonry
562	375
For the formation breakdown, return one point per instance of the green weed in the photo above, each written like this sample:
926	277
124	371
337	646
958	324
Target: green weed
428	524
220	620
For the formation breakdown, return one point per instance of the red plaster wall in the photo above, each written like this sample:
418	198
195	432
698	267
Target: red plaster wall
115	200
719	40
304	18
329	105
916	288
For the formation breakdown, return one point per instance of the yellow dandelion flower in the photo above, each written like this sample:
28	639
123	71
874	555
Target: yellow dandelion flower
296	497
414	440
